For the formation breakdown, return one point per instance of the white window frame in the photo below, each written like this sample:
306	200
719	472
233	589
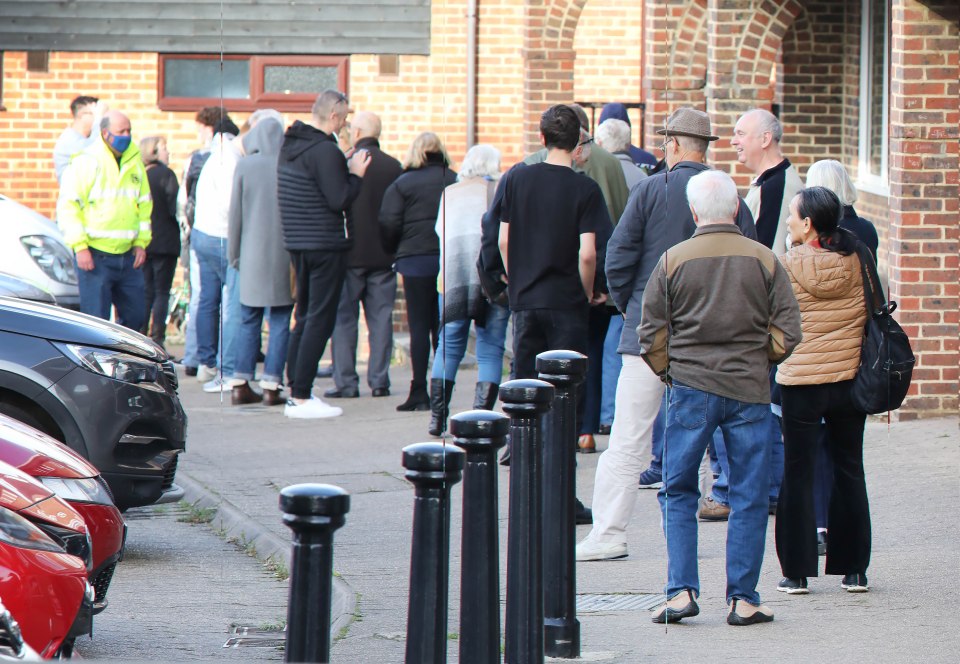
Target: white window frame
867	181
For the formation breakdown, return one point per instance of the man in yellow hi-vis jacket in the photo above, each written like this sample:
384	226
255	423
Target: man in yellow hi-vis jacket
104	212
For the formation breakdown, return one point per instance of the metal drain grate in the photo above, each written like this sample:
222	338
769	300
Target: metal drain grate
256	637
618	602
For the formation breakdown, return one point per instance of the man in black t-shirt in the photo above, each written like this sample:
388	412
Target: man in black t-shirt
554	222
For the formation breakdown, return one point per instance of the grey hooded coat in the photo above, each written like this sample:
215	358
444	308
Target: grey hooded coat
255	245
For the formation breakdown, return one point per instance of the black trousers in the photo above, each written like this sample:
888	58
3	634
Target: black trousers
592	388
423	319
319	282
848	539
158	274
539	330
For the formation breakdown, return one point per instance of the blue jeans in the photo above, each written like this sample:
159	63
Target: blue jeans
490	340
775	475
214	278
612	362
190	338
113	281
692	418
248	342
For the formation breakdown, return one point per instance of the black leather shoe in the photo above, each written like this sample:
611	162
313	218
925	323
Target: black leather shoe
604	429
189	371
325	370
582	515
337	393
381	391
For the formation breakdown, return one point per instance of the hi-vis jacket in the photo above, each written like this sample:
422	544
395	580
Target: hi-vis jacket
102	206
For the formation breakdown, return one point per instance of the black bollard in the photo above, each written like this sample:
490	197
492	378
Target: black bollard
432	468
525	401
481	433
312	512
565	370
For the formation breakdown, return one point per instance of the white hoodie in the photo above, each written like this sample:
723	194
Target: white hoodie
215	186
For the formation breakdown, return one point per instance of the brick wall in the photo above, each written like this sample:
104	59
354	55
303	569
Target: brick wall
924	132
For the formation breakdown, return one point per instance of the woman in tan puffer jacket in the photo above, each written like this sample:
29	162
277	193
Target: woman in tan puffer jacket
815	380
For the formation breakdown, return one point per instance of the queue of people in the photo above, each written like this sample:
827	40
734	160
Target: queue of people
730	327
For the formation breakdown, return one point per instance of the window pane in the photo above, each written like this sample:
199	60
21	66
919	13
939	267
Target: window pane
877	74
285	80
201	78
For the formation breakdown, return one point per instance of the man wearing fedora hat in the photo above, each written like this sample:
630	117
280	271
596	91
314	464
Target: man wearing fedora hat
656	218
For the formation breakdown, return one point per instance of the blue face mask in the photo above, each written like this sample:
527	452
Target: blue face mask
118	143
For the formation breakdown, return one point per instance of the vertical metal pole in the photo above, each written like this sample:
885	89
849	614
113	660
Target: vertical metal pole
432	468
525	401
565	370
481	433
313	512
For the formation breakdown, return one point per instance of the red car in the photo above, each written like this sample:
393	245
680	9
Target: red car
74	480
46	588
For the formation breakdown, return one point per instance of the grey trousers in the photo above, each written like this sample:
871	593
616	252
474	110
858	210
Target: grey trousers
377	290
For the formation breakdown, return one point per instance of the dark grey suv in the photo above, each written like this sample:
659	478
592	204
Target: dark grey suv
107	392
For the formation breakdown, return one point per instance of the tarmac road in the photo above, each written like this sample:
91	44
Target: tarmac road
178	592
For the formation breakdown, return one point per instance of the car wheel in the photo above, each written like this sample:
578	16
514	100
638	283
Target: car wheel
29	418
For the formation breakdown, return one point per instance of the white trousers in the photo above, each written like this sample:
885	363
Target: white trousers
639	393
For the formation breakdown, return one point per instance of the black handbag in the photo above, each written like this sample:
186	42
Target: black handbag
886	359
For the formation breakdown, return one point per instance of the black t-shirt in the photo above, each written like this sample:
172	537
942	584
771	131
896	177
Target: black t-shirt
548	207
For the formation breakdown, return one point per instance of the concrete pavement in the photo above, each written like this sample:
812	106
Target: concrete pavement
240	457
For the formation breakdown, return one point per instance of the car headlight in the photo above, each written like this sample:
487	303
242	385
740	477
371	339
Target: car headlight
51	257
17	531
87	490
116	365
75	543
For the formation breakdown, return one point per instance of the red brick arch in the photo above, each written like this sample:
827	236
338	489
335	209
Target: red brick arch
549	57
688	52
762	39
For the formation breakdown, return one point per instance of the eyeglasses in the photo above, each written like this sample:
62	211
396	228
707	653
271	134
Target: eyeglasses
663	146
586	142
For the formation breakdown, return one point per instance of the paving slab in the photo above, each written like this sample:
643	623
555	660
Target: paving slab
245	455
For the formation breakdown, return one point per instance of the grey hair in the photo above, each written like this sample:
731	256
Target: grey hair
482	160
263	114
326	103
692	143
831	174
713	196
613	135
767	121
105	122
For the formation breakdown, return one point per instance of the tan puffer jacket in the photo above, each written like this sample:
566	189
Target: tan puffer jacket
829	289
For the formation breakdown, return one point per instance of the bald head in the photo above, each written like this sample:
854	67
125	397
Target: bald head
115	131
115	122
756	138
365	125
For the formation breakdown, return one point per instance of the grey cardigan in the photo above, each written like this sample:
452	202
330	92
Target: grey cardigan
255	244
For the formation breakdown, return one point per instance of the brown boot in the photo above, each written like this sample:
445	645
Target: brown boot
273	397
243	395
586	444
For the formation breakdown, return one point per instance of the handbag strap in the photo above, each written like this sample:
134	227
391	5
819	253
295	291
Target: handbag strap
872	291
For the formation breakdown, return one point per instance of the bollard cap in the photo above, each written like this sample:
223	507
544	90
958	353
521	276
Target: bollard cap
480	429
526	396
433	458
314	500
562	367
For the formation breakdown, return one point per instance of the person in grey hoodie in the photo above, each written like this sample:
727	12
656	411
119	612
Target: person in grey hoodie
254	235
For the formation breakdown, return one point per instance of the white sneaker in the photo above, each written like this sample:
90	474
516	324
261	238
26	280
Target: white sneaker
205	374
314	408
590	549
217	385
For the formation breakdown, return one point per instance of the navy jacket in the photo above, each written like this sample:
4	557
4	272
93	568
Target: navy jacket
657	217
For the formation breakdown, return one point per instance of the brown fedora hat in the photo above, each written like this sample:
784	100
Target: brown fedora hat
686	121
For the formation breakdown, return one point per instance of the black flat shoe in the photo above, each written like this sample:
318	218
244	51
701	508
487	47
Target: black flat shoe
381	392
667	614
740	618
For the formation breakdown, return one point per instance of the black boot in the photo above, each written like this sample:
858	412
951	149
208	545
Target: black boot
417	400
440	393
486	396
